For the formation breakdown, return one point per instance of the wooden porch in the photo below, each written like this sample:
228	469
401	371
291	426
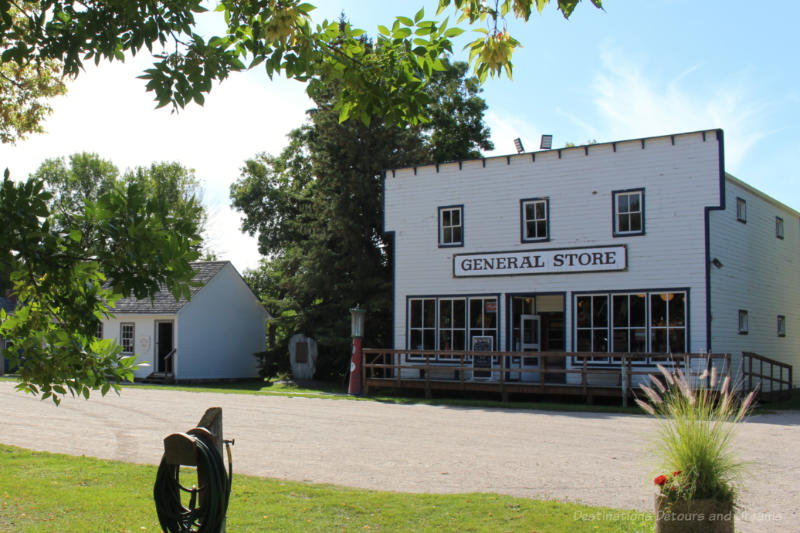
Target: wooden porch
585	376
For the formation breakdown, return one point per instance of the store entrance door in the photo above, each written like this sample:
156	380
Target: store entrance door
530	341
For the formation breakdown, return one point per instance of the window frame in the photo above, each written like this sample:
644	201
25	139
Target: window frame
779	227
468	330
441	229
524	219
615	213
741	210
781	326
744	322
122	337
648	327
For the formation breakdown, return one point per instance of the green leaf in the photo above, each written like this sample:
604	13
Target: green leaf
419	15
405	21
75	235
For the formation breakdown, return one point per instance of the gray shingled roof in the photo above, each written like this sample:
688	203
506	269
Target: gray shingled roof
163	302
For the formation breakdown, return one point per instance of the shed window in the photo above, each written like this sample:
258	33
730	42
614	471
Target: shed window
535	219
741	210
629	212
451	226
126	336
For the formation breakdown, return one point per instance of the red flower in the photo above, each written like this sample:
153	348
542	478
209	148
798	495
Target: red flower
660	480
675	473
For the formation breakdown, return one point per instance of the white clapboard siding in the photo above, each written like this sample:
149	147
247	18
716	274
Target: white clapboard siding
760	273
680	175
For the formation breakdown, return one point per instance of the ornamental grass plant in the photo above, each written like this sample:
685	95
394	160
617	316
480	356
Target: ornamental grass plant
695	435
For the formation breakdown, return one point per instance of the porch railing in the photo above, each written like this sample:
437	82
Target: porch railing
437	369
771	386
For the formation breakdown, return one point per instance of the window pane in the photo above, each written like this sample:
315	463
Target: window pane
584	311
445	313
429	314
490	318
445	340
677	309
620	311
638	340
622	200
658	340
456	235
541	229
621	340
600	343
429	339
446	218
416	339
677	340
530	210
624	224
584	340
416	313
600	311
658	310
458	340
456	217
634	202
476	313
636	222
458	313
540	210
637	312
530	230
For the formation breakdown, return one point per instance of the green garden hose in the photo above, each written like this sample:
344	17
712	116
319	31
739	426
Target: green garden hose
173	516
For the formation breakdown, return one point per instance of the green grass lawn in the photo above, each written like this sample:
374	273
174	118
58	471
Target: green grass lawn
41	492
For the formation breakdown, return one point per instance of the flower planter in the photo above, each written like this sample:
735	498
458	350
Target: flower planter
697	516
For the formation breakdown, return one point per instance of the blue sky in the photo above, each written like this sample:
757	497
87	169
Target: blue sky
637	69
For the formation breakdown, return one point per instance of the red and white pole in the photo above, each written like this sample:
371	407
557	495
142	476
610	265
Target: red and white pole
355	368
357	332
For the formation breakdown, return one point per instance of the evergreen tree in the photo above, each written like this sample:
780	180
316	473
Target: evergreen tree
318	211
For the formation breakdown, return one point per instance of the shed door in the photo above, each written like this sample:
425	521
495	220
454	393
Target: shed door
164	344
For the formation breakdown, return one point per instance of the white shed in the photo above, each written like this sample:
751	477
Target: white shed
212	336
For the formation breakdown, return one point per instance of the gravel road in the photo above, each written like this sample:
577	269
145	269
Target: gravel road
597	459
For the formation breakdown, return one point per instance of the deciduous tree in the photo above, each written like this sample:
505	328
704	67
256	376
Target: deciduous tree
277	35
76	238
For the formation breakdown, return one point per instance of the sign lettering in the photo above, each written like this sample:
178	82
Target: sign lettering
530	262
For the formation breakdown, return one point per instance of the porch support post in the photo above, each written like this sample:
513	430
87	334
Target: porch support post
624	380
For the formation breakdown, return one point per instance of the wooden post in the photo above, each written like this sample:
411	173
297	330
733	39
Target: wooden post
212	421
624	380
427	376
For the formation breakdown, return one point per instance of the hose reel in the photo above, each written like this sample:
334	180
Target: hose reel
199	447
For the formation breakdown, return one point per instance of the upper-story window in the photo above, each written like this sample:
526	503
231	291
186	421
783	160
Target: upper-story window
535	219
629	212
779	227
741	210
781	325
451	225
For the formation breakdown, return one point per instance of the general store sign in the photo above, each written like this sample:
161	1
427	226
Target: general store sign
530	262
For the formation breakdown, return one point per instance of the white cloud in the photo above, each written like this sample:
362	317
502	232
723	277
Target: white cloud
632	103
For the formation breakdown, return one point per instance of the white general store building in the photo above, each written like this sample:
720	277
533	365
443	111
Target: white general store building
642	245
